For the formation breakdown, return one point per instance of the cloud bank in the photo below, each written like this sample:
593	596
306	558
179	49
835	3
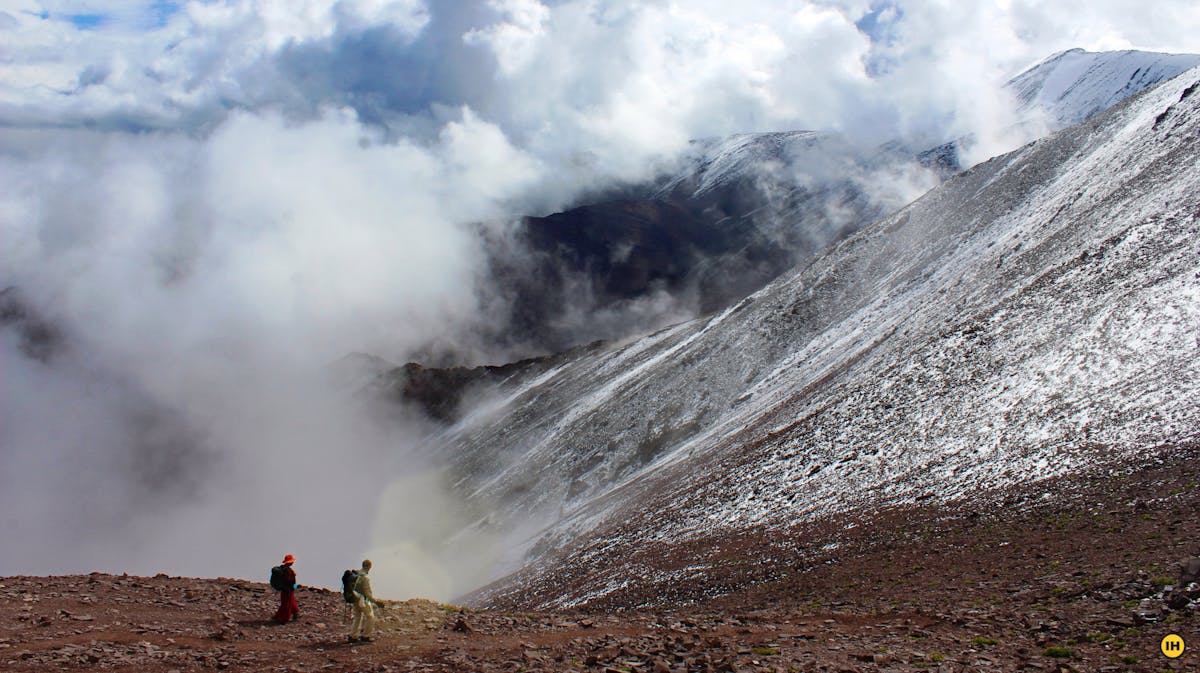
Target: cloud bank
211	201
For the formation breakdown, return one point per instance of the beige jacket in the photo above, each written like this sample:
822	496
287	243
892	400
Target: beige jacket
362	587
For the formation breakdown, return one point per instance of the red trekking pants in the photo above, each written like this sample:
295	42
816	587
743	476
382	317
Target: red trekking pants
288	608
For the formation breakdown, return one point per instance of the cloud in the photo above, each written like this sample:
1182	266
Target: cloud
202	286
213	200
602	83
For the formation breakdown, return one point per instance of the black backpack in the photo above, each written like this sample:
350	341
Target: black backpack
349	579
279	580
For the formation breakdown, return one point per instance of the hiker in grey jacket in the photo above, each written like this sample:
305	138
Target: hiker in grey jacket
363	623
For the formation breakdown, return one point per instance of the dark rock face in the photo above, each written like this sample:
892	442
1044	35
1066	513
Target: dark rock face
440	391
604	257
748	209
631	245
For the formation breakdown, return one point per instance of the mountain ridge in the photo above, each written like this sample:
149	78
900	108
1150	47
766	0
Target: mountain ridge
743	209
1073	85
956	304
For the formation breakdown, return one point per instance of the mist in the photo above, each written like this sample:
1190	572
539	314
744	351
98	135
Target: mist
189	419
210	204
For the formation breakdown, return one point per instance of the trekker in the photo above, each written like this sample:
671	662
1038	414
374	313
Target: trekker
288	608
363	623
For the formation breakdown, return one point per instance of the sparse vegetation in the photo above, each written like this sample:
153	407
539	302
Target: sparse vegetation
764	651
1058	652
983	641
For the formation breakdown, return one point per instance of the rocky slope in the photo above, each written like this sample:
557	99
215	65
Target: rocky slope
1033	317
1057	585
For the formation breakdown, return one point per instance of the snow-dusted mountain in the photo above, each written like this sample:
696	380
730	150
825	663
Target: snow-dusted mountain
1035	315
1073	85
746	208
1064	89
738	211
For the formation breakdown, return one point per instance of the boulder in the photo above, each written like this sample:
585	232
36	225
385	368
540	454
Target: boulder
1189	571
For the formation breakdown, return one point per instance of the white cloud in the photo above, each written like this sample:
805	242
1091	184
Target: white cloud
515	41
618	79
209	282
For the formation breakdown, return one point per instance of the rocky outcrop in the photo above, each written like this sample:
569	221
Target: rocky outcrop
440	391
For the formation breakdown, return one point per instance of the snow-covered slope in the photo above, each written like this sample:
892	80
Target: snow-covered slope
721	161
1073	85
737	211
1036	315
1062	90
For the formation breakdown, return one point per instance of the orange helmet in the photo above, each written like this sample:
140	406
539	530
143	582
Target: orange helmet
289	559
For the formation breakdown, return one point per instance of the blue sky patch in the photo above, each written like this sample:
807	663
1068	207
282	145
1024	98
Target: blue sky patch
161	11
88	21
152	15
880	24
877	23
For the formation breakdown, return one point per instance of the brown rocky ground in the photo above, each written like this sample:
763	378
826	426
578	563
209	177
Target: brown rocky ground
1070	582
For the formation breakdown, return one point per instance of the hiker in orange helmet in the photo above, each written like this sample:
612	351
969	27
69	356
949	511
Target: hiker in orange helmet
288	608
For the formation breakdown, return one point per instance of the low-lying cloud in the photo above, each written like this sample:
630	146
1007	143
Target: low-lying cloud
201	287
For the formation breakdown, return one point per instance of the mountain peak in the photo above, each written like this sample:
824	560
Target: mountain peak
1075	84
